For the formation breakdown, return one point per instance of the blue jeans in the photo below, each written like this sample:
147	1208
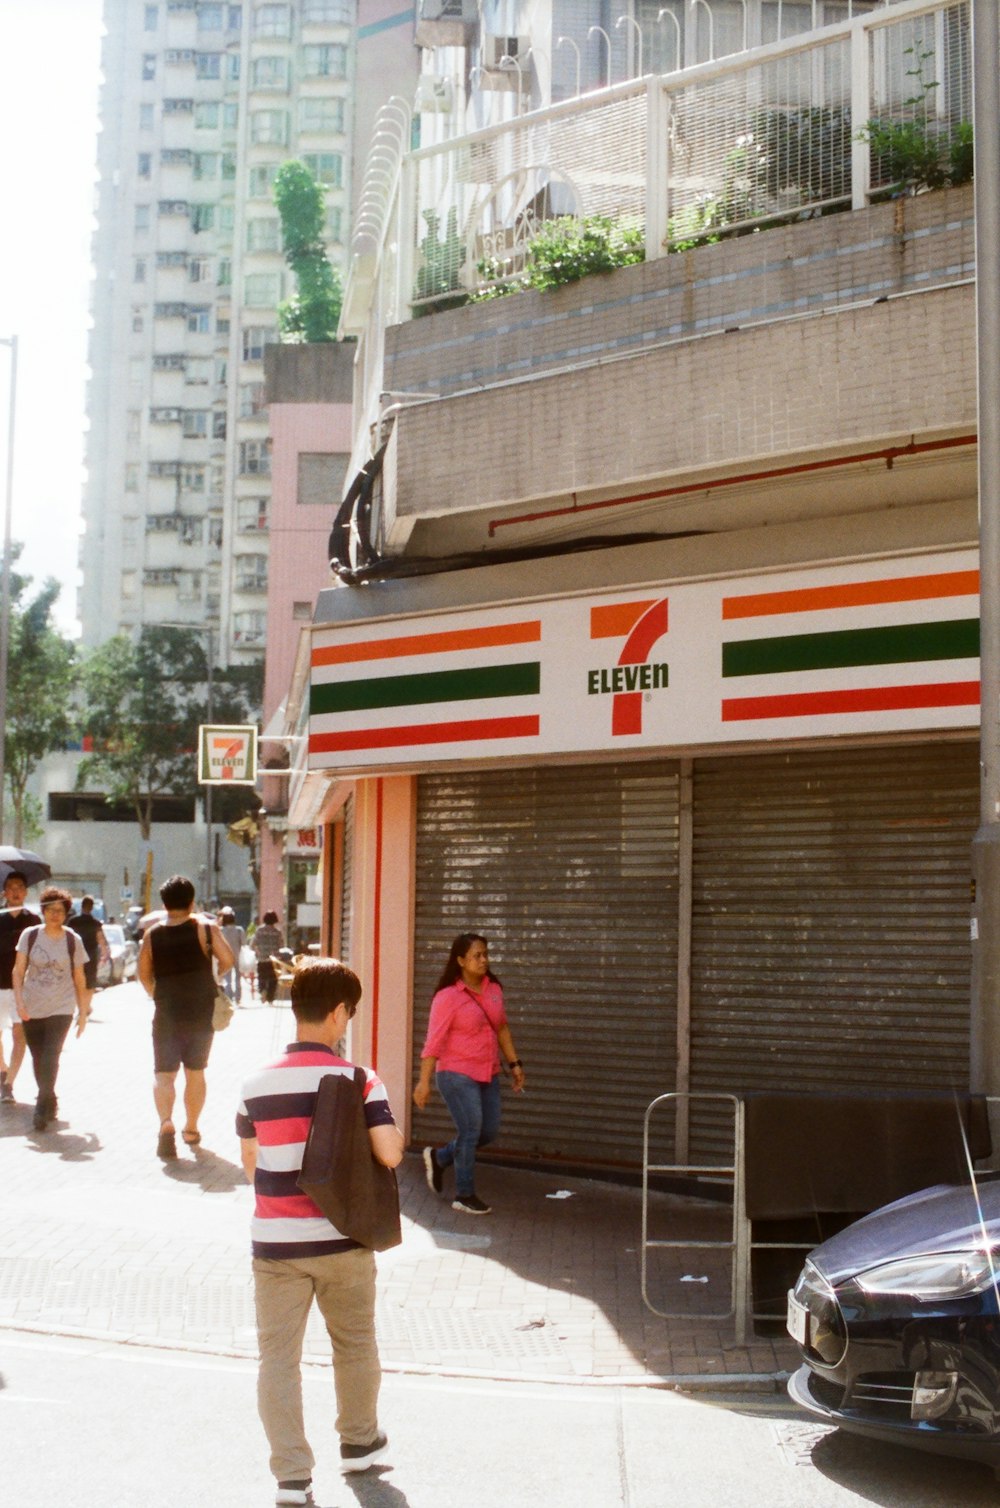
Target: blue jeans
475	1109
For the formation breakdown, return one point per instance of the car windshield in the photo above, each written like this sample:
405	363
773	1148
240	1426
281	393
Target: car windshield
115	937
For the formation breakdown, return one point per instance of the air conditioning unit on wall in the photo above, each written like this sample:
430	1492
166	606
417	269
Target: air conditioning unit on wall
497	48
435	95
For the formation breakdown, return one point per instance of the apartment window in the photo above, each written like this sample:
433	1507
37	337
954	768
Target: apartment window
255	338
251	573
326	167
199	317
206	115
302	612
148	66
321	479
322	115
144	164
216	477
133	423
146	117
132	476
251	514
264	235
224	273
151	18
219	425
194	424
215	533
270	73
138	323
273	21
199	269
232	67
210	17
255	458
206	165
227	215
221	370
262	180
328	60
252	401
202	216
335	225
336	11
141	220
269	128
249	628
228	166
198	369
193	478
234	17
208	65
222	324
139	270
262	290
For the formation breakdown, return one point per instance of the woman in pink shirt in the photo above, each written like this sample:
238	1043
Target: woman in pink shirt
465	1036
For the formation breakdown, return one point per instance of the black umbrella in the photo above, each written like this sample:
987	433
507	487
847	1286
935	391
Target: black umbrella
31	865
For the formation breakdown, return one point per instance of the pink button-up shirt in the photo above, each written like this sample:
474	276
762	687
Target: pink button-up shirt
460	1036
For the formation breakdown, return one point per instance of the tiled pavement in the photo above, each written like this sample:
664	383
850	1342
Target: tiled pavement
100	1238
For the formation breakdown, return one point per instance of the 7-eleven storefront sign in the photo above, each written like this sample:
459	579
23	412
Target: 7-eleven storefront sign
227	756
876	647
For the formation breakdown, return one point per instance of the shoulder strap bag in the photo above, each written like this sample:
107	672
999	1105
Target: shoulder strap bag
356	1193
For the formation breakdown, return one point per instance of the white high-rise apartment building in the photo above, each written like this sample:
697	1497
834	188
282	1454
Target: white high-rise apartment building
201	104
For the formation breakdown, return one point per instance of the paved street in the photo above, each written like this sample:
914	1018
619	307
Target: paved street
102	1239
521	1366
184	1430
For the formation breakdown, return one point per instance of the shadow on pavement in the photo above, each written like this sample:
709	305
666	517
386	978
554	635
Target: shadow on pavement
372	1491
891	1474
213	1174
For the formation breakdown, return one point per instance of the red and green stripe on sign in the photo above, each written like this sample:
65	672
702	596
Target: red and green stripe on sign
831	653
353	707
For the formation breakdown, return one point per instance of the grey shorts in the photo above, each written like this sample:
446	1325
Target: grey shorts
180	1043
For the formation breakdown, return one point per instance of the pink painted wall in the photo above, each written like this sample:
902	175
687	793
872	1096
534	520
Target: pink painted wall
298	570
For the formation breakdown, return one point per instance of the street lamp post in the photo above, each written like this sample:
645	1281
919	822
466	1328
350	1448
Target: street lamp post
11	341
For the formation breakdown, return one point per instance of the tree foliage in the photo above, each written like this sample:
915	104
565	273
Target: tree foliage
41	680
144	700
314	313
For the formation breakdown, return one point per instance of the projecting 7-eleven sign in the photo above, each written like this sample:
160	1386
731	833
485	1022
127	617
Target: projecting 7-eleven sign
227	756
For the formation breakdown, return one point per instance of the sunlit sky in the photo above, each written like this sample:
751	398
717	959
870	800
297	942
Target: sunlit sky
48	125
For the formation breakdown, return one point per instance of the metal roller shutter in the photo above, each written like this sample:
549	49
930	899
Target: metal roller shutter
571	873
346	890
831	921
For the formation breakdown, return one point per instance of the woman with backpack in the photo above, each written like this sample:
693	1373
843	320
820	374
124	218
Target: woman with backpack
49	984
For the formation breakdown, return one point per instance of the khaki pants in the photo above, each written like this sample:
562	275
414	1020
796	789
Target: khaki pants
344	1288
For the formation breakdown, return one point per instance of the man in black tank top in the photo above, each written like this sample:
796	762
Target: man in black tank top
175	967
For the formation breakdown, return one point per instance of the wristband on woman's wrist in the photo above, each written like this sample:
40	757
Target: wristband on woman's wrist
514	1063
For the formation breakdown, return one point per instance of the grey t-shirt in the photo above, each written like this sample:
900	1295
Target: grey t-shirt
48	985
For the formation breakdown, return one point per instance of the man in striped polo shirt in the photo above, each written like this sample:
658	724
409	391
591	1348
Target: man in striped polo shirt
297	1254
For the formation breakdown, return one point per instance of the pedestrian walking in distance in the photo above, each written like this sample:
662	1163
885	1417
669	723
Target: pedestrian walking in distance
86	925
466	1034
267	940
175	967
235	937
14	919
49	984
298	1255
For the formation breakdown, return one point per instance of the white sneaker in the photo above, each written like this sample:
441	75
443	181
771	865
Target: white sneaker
360	1457
295	1495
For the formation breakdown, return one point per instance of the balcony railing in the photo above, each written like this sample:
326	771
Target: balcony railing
724	148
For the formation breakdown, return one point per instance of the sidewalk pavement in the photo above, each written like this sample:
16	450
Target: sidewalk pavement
104	1240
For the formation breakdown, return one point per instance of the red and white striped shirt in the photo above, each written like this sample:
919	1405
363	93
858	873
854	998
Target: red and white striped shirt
277	1108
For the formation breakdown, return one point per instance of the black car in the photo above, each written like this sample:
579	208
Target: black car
898	1321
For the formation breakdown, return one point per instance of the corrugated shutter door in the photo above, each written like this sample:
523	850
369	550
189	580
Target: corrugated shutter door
346	886
571	873
831	921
